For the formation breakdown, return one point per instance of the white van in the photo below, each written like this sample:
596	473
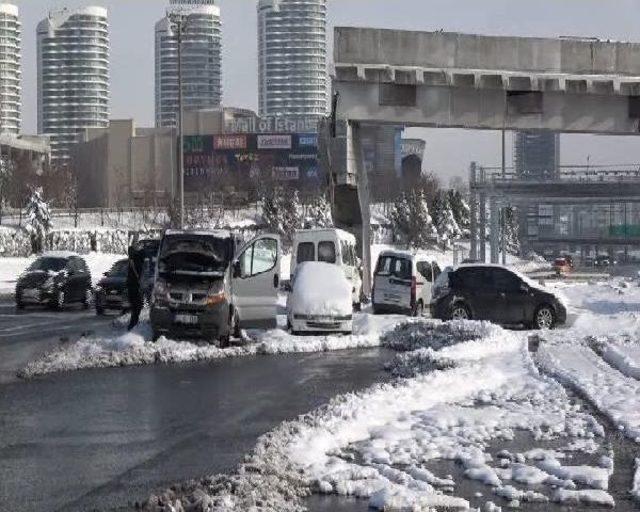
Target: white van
330	246
402	283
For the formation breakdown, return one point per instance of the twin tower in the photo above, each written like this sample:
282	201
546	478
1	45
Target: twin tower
74	62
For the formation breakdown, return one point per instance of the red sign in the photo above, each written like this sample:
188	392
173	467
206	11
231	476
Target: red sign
230	142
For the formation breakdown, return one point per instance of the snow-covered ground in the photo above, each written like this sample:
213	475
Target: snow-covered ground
470	405
11	268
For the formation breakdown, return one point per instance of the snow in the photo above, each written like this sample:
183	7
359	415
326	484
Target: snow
136	349
635	489
467	388
320	289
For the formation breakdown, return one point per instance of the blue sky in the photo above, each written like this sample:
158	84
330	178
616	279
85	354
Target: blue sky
449	151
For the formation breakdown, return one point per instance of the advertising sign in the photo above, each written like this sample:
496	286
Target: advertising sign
242	160
274	141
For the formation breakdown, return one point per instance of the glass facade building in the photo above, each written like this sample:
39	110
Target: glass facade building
10	70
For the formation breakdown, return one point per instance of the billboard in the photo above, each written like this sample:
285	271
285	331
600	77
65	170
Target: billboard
244	159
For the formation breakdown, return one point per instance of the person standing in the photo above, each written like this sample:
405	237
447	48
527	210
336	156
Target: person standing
134	285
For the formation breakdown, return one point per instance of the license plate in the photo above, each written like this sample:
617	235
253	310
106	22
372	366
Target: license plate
30	293
186	319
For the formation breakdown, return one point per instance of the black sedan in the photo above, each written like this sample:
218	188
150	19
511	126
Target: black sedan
55	280
111	291
497	294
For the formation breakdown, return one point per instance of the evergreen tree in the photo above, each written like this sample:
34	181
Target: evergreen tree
319	214
38	220
448	229
282	213
511	242
412	221
460	209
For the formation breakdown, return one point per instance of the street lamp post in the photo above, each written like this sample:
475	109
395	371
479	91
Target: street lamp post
179	22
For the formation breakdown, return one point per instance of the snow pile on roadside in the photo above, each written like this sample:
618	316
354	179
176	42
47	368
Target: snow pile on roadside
378	444
624	355
135	349
613	394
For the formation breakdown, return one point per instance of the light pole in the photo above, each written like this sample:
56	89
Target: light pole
179	22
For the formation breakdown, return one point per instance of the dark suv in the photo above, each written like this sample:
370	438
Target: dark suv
497	294
55	279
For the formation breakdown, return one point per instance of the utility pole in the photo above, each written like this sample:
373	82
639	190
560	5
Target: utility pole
179	22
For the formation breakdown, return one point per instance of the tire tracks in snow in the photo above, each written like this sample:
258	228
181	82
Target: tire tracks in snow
625	448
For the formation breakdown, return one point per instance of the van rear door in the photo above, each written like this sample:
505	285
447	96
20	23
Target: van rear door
256	282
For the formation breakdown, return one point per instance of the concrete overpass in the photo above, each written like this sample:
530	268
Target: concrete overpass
452	80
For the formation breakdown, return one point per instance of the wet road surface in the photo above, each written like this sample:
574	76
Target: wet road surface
102	439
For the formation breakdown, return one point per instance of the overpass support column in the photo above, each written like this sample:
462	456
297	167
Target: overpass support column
494	230
482	227
356	155
473	207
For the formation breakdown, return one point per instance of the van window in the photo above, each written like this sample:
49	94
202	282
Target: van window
347	254
384	266
327	252
306	252
402	268
426	271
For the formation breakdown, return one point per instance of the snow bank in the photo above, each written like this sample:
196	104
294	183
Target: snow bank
614	394
135	349
624	356
635	489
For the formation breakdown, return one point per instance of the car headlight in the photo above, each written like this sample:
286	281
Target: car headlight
216	294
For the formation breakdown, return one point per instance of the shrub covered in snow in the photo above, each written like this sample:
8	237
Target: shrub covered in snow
38	220
412	222
14	243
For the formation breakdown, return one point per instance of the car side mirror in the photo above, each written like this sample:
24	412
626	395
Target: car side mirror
236	269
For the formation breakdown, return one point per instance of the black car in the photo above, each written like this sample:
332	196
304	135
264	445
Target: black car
497	294
55	280
111	292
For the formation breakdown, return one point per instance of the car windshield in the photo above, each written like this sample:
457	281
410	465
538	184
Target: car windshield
119	269
197	254
48	264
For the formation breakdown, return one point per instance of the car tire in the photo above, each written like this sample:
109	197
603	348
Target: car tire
459	311
357	307
544	317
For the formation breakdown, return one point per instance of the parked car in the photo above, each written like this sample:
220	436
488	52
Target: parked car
602	261
497	294
562	265
320	300
111	291
329	246
55	279
204	288
402	283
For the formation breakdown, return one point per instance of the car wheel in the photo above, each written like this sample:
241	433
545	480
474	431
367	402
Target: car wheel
459	311
357	307
545	318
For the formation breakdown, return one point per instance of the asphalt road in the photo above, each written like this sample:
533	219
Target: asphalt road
101	439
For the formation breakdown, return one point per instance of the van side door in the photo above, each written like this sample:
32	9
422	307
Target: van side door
426	276
255	282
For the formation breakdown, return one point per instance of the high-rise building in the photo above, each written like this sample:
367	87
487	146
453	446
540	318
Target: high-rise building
292	53
201	60
10	70
536	155
73	76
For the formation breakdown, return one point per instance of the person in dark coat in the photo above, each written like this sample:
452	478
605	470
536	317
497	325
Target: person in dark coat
134	284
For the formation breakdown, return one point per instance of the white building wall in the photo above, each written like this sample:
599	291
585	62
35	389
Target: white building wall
201	62
292	53
73	76
10	70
